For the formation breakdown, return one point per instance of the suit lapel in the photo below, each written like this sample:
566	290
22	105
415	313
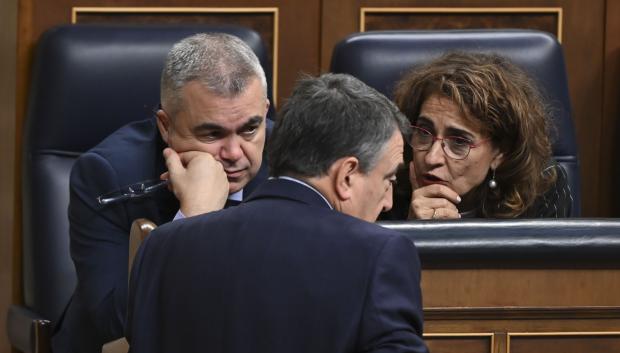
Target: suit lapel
231	203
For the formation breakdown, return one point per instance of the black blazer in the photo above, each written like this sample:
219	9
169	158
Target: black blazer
100	235
281	272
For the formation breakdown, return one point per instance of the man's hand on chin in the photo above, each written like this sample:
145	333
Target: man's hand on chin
197	180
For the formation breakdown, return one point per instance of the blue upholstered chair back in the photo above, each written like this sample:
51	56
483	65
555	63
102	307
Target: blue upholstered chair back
87	81
381	58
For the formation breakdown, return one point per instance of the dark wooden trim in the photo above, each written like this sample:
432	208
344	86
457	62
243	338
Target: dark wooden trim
523	313
499	13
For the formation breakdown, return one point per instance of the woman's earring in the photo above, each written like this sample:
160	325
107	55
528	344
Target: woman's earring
492	182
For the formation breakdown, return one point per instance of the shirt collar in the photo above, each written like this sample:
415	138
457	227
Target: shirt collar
237	196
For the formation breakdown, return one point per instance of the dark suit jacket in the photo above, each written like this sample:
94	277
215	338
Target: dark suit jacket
282	272
100	235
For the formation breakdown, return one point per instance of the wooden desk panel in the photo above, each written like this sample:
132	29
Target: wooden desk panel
520	287
460	343
522	310
564	342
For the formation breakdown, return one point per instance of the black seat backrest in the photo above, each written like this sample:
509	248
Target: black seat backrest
381	58
516	242
87	81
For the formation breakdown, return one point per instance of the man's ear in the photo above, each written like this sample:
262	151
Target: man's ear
346	171
163	124
266	107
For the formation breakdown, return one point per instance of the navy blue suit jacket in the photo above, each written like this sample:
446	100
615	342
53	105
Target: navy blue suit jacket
281	272
100	235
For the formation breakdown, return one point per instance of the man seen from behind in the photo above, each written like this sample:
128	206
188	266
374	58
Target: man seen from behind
297	267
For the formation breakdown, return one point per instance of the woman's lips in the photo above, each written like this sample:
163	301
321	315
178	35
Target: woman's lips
428	179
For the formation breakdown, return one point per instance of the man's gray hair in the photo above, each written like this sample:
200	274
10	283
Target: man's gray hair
328	118
222	63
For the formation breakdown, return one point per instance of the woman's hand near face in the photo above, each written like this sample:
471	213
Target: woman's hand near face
433	201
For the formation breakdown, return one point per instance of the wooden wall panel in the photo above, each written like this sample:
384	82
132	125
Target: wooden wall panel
549	20
527	334
609	187
564	342
583	48
8	263
463	343
582	38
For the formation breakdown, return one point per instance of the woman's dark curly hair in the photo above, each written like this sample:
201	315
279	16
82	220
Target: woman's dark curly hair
512	112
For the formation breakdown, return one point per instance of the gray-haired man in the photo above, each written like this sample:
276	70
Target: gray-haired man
298	267
207	139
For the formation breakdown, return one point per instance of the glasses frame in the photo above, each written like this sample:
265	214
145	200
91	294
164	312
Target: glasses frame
134	191
443	144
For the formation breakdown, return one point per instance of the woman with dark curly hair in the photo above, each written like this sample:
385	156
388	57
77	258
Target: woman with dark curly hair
480	143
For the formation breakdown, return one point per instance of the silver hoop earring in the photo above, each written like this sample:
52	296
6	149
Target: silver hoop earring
492	182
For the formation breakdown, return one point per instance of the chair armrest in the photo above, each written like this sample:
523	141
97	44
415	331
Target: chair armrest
117	346
28	332
140	229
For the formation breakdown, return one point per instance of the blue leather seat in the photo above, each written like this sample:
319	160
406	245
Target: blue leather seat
87	81
381	58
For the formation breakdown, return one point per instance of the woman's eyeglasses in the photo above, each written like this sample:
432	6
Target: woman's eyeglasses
453	146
